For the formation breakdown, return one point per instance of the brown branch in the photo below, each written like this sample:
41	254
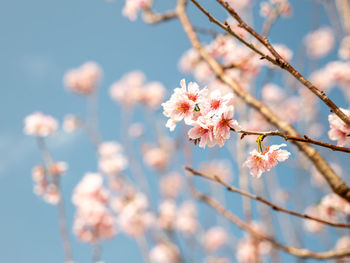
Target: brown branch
227	28
152	17
298	252
336	183
275	207
285	65
305	139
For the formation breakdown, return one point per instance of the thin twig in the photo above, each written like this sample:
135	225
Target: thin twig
305	139
284	64
298	252
152	17
275	207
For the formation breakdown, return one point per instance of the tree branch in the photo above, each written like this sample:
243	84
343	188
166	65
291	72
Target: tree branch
298	252
305	139
275	207
285	65
336	183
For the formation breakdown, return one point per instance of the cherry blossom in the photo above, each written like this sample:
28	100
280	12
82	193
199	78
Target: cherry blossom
171	185
344	49
84	79
260	162
215	238
93	220
220	168
339	131
132	7
39	124
165	253
71	123
319	42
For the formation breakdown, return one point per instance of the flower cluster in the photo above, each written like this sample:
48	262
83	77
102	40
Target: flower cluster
209	114
182	219
282	7
93	220
111	158
46	183
319	42
261	161
83	80
331	208
132	89
38	124
133	216
250	249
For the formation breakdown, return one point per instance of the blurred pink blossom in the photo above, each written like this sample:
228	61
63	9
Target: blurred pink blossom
339	131
215	238
84	79
38	124
319	42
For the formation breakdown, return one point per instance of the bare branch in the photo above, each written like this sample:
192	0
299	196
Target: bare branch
298	252
152	17
305	139
275	207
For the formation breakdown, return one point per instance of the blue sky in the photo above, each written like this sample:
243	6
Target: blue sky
40	41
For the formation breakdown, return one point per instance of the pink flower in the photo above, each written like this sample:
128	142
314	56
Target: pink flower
136	130
83	80
272	93
261	162
156	157
215	238
58	168
189	60
343	243
238	4
171	185
129	89
132	7
38	124
90	188
311	225
71	123
186	220
203	132
219	168
218	102
167	214
344	49
339	131
183	103
113	165
153	94
165	253
320	42
223	125
111	159
93	221
133	218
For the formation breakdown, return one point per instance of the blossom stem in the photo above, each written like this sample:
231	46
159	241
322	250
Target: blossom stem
306	139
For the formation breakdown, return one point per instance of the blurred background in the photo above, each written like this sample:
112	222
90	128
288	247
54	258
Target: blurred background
39	41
